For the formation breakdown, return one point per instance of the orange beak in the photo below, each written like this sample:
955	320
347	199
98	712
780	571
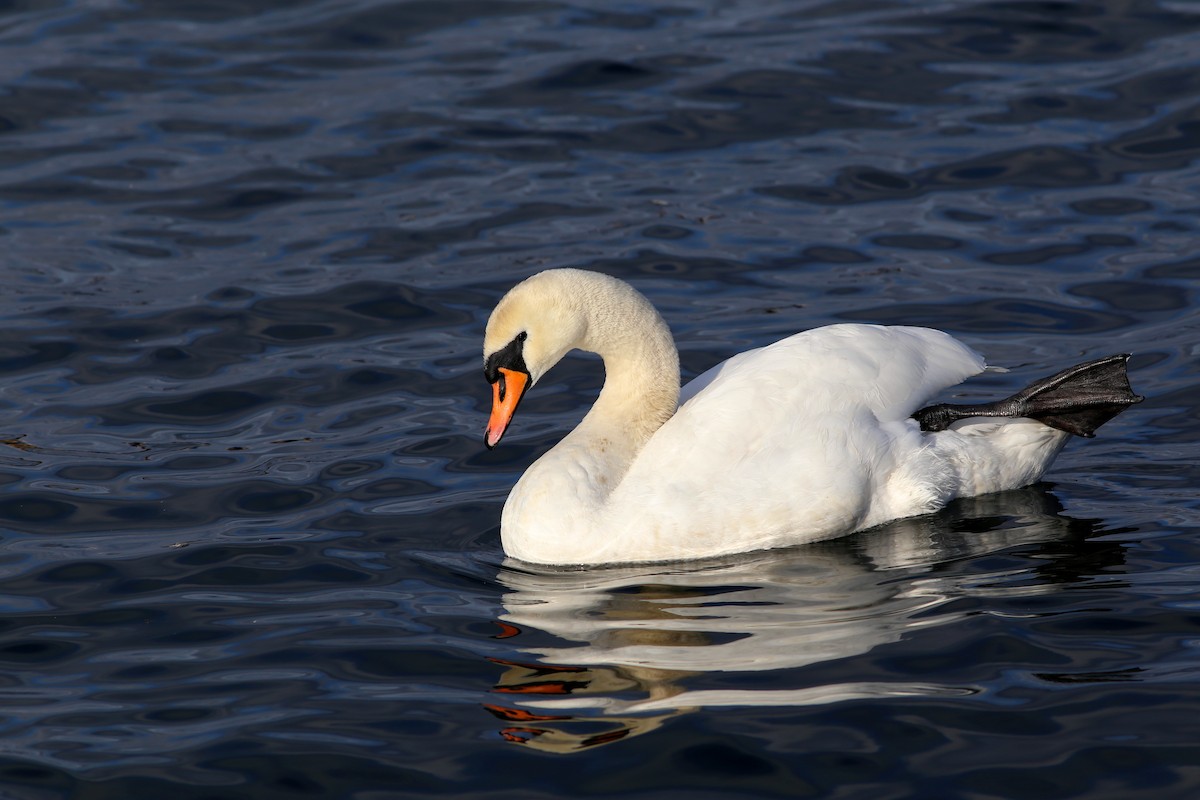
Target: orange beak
507	392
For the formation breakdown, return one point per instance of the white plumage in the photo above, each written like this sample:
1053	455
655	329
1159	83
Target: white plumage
805	439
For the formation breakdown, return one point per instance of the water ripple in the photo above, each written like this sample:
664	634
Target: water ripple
249	533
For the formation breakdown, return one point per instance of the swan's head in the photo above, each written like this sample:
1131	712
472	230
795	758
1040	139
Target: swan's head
531	329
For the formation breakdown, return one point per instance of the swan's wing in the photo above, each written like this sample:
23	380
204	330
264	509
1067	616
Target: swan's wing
802	431
892	371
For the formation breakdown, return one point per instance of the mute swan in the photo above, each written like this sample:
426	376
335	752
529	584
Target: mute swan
812	437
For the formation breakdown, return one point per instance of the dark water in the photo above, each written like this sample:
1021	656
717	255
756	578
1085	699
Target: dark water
250	543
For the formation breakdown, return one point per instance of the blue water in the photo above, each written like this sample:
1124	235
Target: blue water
249	538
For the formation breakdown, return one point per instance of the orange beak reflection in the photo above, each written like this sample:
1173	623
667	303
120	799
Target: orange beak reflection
507	392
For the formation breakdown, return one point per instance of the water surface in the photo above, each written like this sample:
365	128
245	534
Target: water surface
249	534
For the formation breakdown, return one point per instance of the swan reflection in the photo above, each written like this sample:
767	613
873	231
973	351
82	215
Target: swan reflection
608	654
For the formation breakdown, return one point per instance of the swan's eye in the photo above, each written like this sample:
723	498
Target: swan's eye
522	336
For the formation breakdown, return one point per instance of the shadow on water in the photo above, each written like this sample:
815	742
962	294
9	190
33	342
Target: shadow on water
628	643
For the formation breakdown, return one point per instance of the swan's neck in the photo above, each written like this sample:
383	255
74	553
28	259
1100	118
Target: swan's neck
562	497
641	385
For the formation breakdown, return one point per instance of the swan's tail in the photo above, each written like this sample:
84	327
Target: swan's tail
1077	400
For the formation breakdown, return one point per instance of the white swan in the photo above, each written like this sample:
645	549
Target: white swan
809	438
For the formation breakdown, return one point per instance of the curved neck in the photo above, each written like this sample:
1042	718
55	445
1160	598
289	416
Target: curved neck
641	366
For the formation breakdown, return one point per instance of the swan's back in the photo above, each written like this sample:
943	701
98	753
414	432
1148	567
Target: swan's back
900	368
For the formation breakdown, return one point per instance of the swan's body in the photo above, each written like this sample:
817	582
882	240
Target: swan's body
809	438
